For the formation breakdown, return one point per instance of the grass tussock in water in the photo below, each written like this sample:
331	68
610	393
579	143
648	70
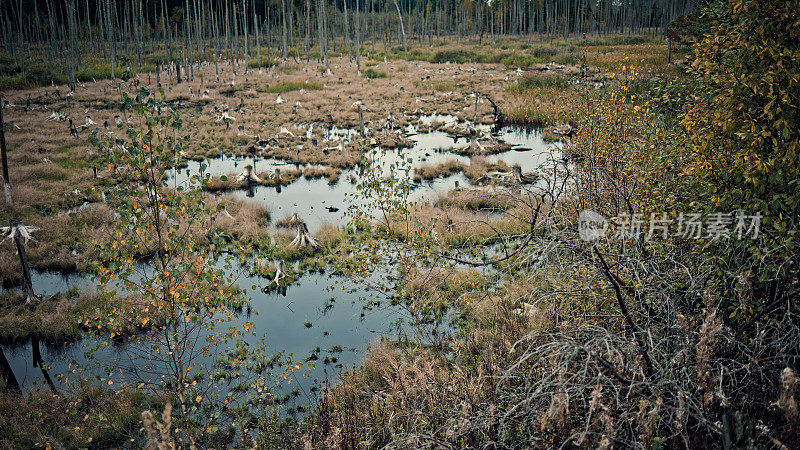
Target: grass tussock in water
475	170
64	242
52	319
474	200
331	173
243	220
407	379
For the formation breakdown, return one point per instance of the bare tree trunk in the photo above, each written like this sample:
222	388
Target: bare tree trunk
402	28
111	38
21	40
246	32
347	31
23	259
3	155
285	30
669	50
71	50
258	34
228	35
308	30
358	38
323	45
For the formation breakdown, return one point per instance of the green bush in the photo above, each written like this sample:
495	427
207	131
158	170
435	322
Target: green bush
744	125
37	74
543	52
454	56
265	62
372	73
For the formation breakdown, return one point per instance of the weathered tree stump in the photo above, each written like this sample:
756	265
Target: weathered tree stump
248	176
280	272
303	238
21	234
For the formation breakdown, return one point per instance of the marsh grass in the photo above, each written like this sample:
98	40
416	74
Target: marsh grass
406	378
474	171
331	173
42	73
90	416
455	226
514	55
429	172
474	200
537	81
64	242
53	319
288	86
372	73
543	105
246	220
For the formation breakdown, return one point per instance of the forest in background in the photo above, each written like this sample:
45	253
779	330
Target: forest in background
84	37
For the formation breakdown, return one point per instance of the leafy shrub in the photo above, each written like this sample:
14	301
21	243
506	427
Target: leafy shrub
454	56
372	73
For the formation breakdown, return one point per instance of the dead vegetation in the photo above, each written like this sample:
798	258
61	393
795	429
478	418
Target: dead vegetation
53	319
90	416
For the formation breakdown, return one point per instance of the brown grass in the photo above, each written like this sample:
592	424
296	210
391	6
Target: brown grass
89	417
64	242
52	319
248	219
429	171
331	173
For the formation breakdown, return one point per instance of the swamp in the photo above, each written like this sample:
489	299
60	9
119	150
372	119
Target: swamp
399	224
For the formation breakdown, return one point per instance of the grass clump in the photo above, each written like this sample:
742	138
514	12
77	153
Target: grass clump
428	172
545	104
288	86
52	319
372	73
90	417
530	82
474	201
253	63
331	173
454	56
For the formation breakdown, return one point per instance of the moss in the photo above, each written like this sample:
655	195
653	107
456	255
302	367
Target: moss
70	163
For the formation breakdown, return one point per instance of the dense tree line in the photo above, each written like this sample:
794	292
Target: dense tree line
188	31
